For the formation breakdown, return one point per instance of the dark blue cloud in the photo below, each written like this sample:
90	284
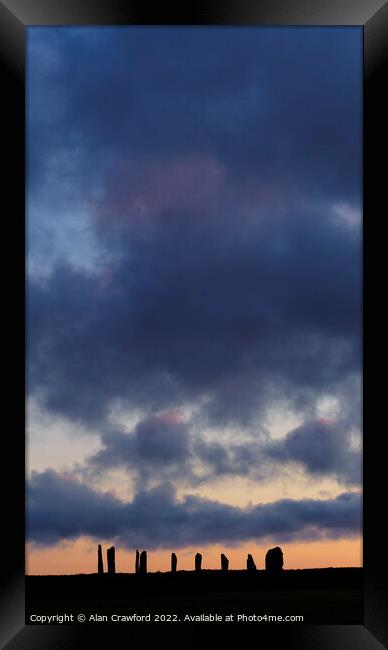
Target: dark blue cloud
211	161
265	101
322	448
157	449
202	308
61	508
164	448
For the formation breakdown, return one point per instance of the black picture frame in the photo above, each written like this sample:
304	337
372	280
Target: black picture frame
15	17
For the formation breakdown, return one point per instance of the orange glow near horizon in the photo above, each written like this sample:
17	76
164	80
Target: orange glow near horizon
81	556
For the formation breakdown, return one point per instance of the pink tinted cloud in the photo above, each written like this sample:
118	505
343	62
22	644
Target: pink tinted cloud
143	190
148	190
167	417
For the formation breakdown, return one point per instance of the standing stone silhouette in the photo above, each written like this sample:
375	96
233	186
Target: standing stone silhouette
224	562
173	563
251	566
198	561
137	561
274	560
143	562
99	561
111	559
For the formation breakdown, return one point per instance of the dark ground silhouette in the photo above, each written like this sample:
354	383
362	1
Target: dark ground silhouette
331	596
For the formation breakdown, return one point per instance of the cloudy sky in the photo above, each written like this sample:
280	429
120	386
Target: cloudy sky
194	295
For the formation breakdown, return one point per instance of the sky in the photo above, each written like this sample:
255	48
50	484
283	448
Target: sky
194	237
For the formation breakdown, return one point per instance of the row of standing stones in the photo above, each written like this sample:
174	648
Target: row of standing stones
273	561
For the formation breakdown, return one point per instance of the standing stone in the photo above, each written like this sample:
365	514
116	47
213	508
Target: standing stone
274	560
198	561
137	562
173	563
111	559
100	562
224	562
143	562
251	566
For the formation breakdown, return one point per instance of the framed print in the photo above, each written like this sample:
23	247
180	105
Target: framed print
192	430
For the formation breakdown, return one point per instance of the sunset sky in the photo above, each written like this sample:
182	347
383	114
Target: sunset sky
194	295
